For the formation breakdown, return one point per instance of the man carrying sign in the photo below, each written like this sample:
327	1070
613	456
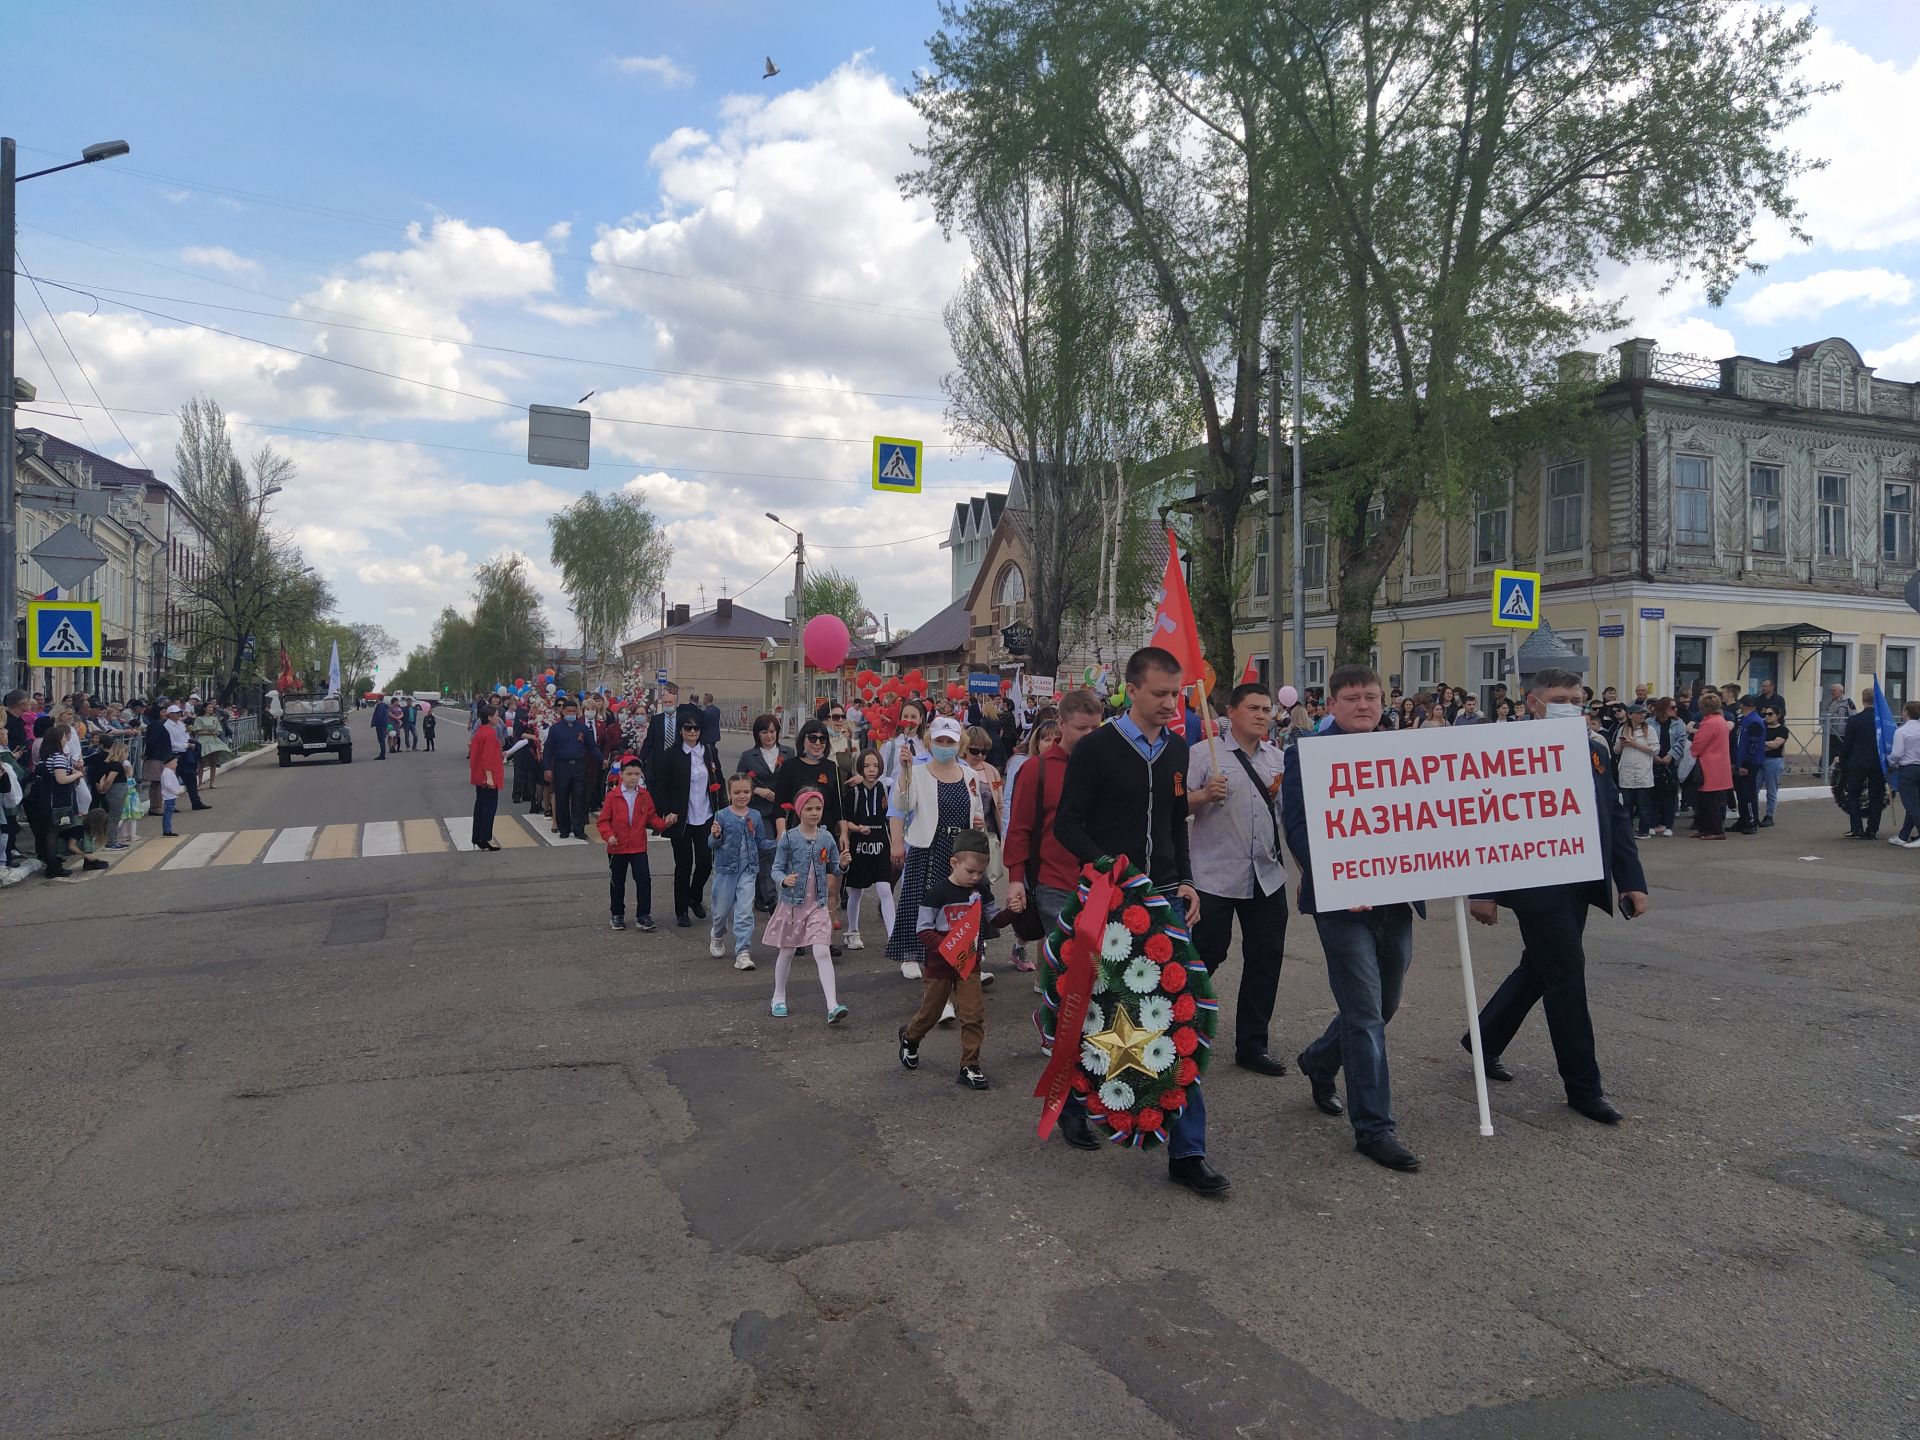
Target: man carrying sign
1368	949
1553	920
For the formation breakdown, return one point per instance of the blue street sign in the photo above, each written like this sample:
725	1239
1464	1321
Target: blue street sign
660	676
983	684
1612	632
1516	599
1657	614
896	464
63	632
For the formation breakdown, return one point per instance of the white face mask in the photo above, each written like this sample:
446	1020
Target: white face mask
1564	711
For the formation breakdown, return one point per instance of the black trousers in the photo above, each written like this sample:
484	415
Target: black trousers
1263	935
486	802
1553	972
189	773
1866	792
620	867
569	796
692	864
1746	789
524	775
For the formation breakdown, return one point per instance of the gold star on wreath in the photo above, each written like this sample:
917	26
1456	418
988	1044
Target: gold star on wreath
1123	1043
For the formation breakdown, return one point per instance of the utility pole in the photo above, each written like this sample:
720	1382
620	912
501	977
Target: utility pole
9	546
795	702
1274	629
1299	515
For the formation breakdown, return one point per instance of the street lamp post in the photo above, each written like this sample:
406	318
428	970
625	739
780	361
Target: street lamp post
9	537
799	621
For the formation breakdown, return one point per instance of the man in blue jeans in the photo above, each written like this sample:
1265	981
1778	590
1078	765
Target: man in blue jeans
1368	949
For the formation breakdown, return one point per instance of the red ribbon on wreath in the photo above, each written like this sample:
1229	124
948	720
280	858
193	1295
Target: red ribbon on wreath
1076	990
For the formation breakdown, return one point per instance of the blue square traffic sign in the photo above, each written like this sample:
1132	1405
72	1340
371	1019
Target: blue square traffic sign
63	632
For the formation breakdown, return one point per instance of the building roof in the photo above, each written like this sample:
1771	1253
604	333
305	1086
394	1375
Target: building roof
977	516
946	631
105	471
740	624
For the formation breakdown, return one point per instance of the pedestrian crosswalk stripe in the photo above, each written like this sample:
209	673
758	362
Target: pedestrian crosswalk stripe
291	845
244	848
151	853
336	842
509	833
555	838
423	837
198	851
381	837
460	831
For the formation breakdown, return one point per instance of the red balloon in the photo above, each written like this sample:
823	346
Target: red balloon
956	691
1006	687
825	642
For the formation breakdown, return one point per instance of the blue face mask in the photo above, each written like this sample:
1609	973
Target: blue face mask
945	752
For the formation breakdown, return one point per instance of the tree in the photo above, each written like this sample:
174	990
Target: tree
508	631
612	553
249	581
1472	163
834	592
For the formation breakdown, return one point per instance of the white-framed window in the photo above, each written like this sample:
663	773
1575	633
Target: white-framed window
1262	554
1566	508
1692	662
1896	522
1693	500
1764	536
1896	675
1313	554
1484	663
1836	668
1313	669
1490	535
1421	665
1832	493
1262	667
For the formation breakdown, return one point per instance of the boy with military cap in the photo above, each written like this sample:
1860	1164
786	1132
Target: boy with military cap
955	916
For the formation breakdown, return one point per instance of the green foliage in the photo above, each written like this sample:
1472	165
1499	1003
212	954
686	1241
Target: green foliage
834	592
612	555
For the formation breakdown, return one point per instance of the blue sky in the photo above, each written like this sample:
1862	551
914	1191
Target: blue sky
519	177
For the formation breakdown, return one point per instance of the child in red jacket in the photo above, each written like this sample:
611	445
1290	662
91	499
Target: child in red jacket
625	819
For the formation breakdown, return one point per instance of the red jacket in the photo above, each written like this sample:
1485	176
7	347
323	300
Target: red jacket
484	766
1038	784
626	831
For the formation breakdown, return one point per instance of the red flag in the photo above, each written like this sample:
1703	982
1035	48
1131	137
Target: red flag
1174	630
1250	675
961	948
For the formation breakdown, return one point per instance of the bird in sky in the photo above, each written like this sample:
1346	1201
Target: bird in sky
772	69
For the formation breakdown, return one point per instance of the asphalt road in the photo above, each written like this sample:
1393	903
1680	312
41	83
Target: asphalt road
411	1144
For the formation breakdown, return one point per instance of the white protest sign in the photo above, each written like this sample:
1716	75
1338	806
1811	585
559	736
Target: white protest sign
1040	687
1467	810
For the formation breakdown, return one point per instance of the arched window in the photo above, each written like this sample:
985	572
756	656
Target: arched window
1011	588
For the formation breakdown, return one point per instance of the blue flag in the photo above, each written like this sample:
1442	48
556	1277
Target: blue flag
1883	725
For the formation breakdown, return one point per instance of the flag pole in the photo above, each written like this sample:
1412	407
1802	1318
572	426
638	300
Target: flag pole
1473	1013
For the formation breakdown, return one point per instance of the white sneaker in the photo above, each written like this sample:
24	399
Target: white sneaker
910	969
854	942
743	961
1912	844
716	947
1895	840
946	1013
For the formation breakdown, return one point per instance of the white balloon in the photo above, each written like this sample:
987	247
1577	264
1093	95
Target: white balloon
1289	697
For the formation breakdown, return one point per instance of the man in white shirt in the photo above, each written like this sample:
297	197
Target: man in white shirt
1232	783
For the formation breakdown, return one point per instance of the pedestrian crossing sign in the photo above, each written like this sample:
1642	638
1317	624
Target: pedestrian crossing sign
63	632
1516	599
896	464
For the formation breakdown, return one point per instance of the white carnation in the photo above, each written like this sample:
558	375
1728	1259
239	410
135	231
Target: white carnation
1117	1095
1141	976
1095	1022
1092	1060
1116	942
1159	1054
1156	1013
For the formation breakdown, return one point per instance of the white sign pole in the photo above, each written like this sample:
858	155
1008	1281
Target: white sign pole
1473	1013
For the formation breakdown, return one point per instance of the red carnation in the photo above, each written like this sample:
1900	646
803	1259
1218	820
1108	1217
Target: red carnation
1173	1099
1069	952
1120	1122
1173	977
1186	1072
1082	1085
1185	1042
1151	1119
1184	1009
1159	949
1095	1107
1135	918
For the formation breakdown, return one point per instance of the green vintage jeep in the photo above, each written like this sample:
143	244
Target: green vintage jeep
310	727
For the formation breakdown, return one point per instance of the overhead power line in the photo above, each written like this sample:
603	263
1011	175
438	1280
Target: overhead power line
21	259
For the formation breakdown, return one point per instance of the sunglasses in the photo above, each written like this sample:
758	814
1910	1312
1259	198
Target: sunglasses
972	751
689	729
837	716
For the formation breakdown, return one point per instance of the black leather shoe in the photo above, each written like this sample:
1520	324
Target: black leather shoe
1325	1094
1598	1108
1767	824
1388	1151
699	909
1075	1130
1489	1063
1198	1176
1261	1063
685	921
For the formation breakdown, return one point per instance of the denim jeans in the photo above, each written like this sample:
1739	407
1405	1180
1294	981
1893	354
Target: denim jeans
1640	805
1909	778
1367	958
733	900
1771	769
166	815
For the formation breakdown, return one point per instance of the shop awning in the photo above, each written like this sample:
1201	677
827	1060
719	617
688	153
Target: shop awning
1804	639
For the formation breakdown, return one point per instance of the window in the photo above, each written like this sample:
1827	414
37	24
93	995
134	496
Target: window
1484	667
1422	667
1262	543
1692	500
1689	663
1896	675
1263	670
1490	536
1896	523
1763	665
1313	554
1763	509
1012	589
1833	517
1566	508
1314	671
1833	668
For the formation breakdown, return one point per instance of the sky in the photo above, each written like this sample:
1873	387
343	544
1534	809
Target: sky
609	198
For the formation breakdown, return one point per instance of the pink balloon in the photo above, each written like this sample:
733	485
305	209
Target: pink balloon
825	642
1289	697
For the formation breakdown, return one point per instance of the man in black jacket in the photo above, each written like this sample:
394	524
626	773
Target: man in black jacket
1863	781
570	744
1553	922
1126	794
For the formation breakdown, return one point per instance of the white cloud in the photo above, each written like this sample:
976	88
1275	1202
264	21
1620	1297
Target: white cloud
1824	291
1898	361
661	69
218	257
571	315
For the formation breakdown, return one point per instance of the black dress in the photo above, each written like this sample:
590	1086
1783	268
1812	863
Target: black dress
867	805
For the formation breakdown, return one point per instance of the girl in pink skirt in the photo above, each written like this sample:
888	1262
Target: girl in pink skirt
802	863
